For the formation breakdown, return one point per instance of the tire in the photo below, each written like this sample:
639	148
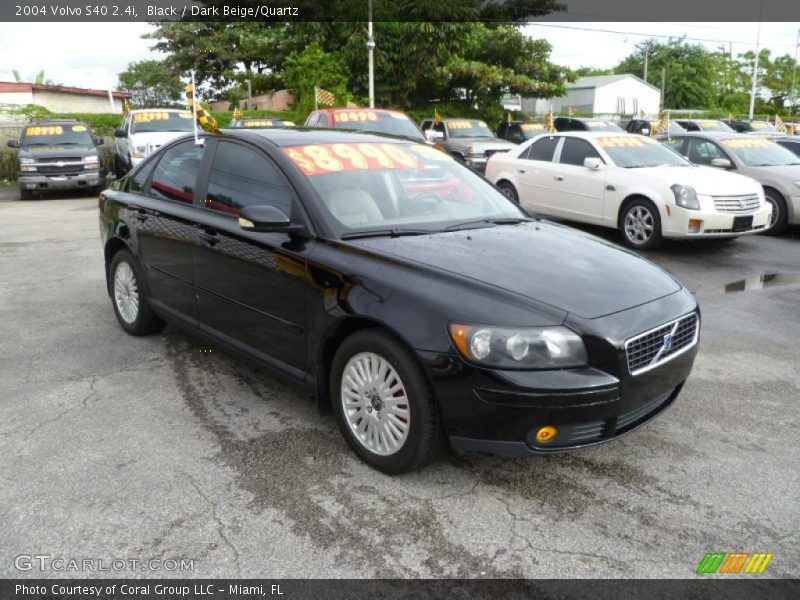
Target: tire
396	448
509	191
129	297
25	194
640	225
779	220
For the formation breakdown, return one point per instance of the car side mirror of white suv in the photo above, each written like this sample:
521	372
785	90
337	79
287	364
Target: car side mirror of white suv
593	163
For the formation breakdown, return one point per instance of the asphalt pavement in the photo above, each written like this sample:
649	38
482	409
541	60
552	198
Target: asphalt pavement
165	448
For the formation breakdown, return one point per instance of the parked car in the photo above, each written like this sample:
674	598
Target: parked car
754	127
519	131
376	120
584	124
259	123
773	166
143	131
645	126
470	141
58	155
703	125
628	182
790	143
410	315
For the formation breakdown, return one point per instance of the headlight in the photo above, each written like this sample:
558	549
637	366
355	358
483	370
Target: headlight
519	347
26	161
91	162
473	151
26	165
685	196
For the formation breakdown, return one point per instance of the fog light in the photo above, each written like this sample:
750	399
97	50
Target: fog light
30	186
546	434
695	225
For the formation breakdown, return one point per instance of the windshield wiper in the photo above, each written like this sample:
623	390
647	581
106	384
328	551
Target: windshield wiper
489	221
392	232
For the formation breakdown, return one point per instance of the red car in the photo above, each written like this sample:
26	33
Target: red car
378	120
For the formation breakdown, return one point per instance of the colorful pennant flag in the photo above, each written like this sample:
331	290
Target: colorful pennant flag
204	119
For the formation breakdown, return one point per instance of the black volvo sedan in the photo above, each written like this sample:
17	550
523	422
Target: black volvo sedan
402	290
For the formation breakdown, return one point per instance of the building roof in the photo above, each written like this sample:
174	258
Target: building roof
13	86
601	80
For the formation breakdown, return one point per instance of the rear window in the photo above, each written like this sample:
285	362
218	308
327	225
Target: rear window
162	120
389	122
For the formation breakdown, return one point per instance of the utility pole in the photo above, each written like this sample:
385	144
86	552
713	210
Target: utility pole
646	55
794	75
755	65
370	52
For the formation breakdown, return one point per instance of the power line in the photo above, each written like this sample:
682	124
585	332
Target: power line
653	35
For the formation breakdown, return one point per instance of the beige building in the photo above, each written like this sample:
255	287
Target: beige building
62	99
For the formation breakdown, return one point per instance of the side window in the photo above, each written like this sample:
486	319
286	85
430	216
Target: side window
702	152
426	125
676	144
312	120
543	149
139	179
515	134
440	127
323	120
242	177
575	151
175	176
501	131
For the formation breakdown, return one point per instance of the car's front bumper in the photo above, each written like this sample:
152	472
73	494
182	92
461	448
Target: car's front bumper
684	223
476	163
499	412
794	209
42	182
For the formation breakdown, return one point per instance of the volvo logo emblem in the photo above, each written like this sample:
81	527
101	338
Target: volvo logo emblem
667	342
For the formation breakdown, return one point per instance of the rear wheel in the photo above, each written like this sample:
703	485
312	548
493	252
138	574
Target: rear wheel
641	225
129	296
509	191
779	219
383	402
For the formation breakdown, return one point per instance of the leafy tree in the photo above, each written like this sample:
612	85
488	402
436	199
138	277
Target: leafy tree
315	67
151	83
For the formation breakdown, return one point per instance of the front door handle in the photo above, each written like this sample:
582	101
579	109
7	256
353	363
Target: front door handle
558	177
521	171
208	236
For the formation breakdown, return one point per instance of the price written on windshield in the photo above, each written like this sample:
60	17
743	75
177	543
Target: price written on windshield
70	10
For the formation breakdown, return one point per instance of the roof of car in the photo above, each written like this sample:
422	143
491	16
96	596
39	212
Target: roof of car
300	136
718	135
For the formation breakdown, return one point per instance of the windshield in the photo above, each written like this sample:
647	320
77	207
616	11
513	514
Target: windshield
384	121
468	128
162	120
635	152
383	186
762	126
713	126
65	134
261	123
602	126
755	152
674	128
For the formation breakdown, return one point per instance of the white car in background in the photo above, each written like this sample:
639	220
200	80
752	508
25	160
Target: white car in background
143	131
628	182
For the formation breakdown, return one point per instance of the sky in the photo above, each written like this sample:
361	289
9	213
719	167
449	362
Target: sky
91	54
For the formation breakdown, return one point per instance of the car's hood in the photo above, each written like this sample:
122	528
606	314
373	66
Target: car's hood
56	151
156	138
710	181
789	173
479	144
547	262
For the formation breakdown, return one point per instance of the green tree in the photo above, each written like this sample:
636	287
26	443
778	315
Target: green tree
151	83
314	67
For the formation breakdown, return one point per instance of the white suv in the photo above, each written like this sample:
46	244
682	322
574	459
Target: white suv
143	131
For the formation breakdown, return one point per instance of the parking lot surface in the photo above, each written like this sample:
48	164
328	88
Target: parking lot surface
163	447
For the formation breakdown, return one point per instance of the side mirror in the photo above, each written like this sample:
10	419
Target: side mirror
722	163
120	133
592	163
12	144
645	131
98	141
265	217
434	135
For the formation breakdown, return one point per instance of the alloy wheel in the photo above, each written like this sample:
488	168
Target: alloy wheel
639	225
375	403
773	217
126	292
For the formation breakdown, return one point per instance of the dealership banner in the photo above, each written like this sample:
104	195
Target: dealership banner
374	589
391	10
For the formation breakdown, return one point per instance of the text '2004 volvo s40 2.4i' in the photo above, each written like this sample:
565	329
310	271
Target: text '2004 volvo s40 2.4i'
401	289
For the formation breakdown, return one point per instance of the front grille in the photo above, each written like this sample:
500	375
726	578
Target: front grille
60	166
737	204
661	344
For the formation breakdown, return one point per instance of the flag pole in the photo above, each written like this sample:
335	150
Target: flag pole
316	107
194	110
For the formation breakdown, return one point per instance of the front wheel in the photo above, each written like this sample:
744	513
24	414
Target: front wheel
641	225
25	194
779	219
509	191
384	405
129	296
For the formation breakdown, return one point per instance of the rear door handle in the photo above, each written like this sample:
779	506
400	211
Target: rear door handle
558	178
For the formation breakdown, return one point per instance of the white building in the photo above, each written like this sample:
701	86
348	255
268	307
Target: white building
622	95
62	99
